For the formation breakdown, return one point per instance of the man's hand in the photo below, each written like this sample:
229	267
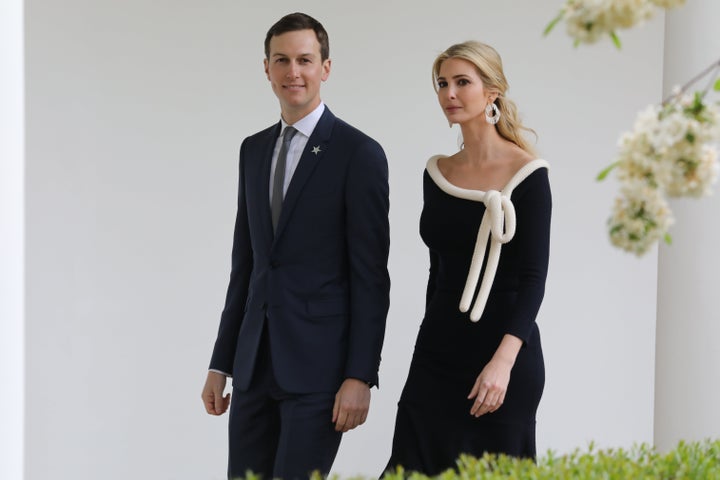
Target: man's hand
215	403
352	403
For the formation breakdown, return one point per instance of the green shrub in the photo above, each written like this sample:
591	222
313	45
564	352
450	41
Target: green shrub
687	461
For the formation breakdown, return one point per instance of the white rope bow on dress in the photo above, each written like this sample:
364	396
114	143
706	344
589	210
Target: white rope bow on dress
498	225
499	215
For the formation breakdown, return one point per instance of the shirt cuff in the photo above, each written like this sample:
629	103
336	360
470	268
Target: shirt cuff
369	384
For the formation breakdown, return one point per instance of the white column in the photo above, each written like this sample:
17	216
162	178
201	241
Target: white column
12	338
687	371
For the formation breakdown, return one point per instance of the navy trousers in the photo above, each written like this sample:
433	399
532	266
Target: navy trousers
278	434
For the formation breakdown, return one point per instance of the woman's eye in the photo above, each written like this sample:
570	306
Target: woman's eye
442	84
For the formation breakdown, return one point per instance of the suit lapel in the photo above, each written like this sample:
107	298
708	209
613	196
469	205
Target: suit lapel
311	156
263	182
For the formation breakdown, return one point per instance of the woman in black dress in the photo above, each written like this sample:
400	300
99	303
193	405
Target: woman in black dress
477	373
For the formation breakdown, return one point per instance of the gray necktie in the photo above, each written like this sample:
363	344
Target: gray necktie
279	178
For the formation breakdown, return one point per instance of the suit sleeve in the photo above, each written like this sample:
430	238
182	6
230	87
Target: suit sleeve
533	209
242	262
368	243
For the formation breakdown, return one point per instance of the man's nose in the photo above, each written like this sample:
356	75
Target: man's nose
294	70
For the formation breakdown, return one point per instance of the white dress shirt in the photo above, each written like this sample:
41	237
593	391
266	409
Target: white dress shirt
305	127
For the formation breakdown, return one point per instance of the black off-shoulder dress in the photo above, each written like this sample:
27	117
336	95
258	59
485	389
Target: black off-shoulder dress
433	425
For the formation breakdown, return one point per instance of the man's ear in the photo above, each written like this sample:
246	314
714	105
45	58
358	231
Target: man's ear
326	69
266	66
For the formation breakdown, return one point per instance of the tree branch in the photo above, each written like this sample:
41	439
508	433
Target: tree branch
714	65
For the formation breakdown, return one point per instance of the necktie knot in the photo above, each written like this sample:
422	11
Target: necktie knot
288	135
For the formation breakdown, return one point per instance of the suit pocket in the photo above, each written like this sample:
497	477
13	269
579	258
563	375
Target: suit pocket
326	307
319	193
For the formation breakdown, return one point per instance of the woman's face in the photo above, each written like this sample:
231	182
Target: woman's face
461	93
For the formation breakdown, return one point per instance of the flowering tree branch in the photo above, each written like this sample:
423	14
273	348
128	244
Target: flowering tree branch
670	152
714	78
586	21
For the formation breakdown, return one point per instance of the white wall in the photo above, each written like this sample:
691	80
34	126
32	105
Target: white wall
135	114
12	246
687	391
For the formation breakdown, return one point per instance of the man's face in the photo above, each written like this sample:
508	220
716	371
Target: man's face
295	70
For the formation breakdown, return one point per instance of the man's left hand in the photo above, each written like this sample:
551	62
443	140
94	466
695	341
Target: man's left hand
352	403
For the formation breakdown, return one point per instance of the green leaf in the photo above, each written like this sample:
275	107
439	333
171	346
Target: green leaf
697	106
606	171
667	238
552	23
717	85
616	40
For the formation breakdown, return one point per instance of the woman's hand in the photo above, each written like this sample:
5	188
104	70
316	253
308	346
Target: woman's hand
491	385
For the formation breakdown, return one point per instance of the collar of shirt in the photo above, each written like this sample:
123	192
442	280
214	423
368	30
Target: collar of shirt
304	126
307	124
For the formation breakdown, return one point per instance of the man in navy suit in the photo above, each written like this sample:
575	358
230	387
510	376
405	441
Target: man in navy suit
304	317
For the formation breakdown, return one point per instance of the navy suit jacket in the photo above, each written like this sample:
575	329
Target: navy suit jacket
321	281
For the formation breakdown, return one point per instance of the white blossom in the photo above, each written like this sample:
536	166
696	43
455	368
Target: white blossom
668	3
586	21
640	217
693	177
670	151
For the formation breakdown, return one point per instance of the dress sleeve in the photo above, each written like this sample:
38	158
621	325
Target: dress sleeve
431	278
432	273
533	207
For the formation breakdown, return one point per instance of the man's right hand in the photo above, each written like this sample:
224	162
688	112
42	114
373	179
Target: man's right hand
212	394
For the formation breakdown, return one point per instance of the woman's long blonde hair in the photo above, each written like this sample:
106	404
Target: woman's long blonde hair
489	66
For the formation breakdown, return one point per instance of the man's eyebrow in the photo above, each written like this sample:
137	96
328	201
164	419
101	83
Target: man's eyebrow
279	54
